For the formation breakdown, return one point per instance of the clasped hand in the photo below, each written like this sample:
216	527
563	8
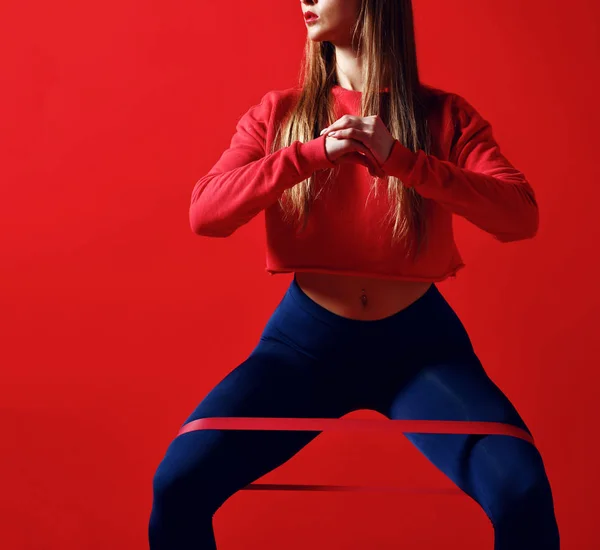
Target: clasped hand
364	140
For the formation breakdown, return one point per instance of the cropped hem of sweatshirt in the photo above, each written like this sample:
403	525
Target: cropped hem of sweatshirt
464	174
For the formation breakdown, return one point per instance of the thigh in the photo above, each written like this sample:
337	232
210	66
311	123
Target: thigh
274	381
481	465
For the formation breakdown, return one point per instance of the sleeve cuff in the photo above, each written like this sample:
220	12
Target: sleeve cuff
314	155
400	163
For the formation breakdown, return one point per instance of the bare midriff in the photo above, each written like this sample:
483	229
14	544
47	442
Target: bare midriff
361	298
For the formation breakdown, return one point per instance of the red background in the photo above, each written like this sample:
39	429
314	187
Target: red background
117	319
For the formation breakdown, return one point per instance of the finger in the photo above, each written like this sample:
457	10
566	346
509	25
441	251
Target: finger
347	121
355	134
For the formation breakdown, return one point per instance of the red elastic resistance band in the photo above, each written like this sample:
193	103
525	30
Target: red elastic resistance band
353	425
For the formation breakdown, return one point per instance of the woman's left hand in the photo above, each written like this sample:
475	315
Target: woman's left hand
370	130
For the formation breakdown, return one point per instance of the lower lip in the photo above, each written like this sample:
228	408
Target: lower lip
311	20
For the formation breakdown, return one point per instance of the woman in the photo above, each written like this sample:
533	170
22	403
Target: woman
362	325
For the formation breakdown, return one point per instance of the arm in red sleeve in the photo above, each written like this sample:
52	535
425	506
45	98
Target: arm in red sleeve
477	182
245	180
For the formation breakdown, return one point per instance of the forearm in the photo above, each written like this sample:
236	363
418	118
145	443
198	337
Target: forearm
499	201
225	199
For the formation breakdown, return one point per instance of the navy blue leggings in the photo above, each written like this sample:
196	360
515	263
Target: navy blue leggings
311	363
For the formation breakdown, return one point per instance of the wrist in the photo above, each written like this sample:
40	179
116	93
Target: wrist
400	162
315	154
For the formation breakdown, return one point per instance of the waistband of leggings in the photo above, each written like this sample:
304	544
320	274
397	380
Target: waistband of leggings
421	305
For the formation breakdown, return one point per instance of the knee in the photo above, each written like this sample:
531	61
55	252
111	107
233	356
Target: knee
185	480
182	510
168	482
522	512
519	487
526	494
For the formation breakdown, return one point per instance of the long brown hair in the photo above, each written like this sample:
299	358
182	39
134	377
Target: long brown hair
385	38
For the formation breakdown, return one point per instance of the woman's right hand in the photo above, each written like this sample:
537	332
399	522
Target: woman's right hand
351	150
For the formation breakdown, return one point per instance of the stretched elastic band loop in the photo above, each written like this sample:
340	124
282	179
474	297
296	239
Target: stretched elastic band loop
353	425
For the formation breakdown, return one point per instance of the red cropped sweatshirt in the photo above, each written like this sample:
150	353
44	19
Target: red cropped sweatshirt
465	174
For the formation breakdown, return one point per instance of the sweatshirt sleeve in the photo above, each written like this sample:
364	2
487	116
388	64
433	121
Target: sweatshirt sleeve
477	182
245	179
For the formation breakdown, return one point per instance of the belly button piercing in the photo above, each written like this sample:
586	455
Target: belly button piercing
363	298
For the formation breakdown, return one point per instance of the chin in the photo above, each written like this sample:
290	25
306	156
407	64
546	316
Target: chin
318	37
318	34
